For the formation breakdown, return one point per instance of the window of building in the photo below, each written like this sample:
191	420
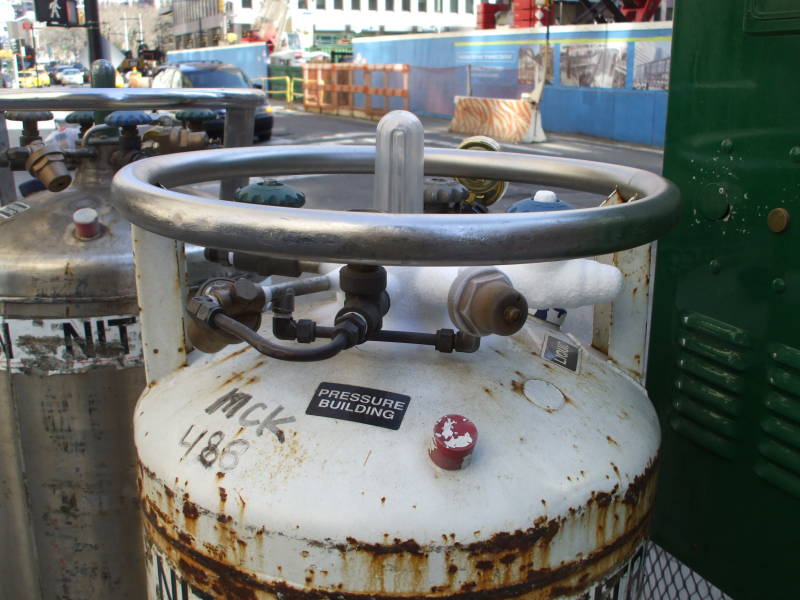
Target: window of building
422	6
321	4
355	4
247	3
438	5
407	5
373	4
470	7
453	6
302	3
338	5
390	5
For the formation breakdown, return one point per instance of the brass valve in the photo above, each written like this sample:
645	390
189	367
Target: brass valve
484	191
176	139
46	163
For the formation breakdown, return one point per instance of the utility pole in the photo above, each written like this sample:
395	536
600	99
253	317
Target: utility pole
93	30
125	22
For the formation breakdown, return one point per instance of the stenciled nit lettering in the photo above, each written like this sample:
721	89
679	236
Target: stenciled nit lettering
74	344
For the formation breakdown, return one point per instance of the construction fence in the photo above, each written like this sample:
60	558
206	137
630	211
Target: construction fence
373	90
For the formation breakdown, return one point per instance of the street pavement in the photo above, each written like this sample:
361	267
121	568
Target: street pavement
294	126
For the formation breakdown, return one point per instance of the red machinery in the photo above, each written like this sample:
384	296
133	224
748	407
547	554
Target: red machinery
639	10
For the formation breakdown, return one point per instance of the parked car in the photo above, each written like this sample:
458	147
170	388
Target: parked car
72	77
56	74
31	78
213	74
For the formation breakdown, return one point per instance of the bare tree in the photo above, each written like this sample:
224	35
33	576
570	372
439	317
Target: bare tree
113	20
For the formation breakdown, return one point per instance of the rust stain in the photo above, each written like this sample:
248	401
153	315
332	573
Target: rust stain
639	484
507	565
569	400
612	441
603	499
233	354
232	378
397	546
488	391
517	387
185	538
190	510
253	379
223	495
220	475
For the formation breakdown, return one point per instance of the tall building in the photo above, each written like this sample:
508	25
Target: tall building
198	23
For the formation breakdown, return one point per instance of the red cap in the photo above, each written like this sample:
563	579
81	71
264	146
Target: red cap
454	439
87	225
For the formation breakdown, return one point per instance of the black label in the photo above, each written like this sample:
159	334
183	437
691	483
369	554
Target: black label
12	210
561	352
359	404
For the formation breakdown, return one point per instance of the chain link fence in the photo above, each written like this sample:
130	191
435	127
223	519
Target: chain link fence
667	578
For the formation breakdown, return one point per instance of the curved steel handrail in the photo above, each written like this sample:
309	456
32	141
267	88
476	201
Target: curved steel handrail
139	193
129	98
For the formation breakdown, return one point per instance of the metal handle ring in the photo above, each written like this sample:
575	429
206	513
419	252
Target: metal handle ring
140	192
129	98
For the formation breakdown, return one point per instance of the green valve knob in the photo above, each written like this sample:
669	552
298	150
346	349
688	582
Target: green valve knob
102	75
270	193
84	118
30	120
81	117
195	114
29	115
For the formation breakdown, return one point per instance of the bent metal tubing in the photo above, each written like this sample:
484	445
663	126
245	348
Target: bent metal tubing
140	192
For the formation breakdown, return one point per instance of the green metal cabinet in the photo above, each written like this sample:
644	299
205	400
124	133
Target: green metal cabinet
724	363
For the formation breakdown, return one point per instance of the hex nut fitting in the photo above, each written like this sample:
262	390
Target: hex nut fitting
483	301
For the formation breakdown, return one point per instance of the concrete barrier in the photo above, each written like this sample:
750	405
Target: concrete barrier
500	118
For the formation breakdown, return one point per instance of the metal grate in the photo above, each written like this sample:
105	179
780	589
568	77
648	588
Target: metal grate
667	578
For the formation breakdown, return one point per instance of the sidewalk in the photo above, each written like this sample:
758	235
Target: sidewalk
438	134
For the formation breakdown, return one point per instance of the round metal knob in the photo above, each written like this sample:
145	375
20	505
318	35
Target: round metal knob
442	193
270	193
199	115
29	115
84	118
128	118
542	201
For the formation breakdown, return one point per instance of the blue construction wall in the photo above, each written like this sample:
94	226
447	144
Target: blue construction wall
607	80
253	59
